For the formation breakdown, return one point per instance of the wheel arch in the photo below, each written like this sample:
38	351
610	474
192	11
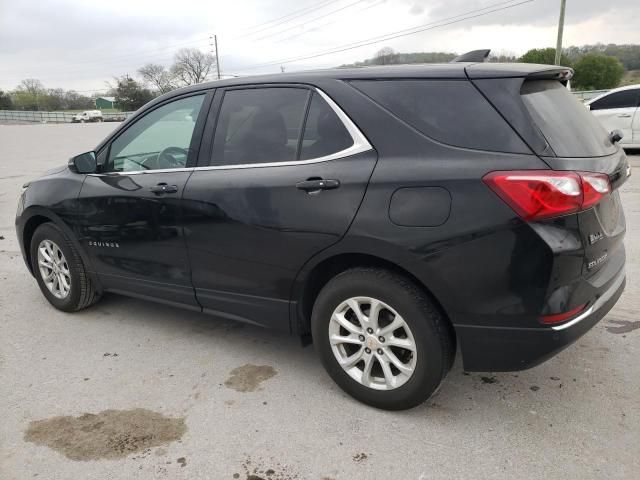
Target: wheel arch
35	216
314	277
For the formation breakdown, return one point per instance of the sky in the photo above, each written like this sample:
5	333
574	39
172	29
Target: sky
82	44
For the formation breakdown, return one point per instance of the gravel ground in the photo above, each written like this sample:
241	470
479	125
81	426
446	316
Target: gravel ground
135	390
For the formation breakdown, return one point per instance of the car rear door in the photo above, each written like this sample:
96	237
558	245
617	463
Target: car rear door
281	175
617	111
129	213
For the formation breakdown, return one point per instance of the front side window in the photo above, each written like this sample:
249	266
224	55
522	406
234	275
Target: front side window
623	99
159	140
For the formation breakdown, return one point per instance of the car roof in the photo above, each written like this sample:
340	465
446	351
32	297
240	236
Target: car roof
461	70
613	90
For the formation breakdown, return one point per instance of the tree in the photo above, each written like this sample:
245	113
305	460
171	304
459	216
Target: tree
546	56
5	101
385	56
130	95
191	66
158	76
597	72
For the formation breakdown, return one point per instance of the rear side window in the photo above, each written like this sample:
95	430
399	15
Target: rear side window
324	133
623	99
259	125
568	126
449	111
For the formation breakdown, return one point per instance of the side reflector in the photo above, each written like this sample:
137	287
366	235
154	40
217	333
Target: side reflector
561	317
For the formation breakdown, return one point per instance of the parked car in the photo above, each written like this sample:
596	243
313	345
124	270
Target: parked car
389	215
618	109
87	116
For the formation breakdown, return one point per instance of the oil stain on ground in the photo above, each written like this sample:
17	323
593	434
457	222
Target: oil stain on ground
249	377
110	434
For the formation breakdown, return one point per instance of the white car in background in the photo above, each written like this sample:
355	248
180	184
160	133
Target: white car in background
87	116
618	109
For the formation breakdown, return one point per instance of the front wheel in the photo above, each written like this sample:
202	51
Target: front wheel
380	338
59	270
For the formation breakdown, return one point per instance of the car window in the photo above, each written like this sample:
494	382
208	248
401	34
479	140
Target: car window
449	111
159	140
623	99
570	129
259	125
324	133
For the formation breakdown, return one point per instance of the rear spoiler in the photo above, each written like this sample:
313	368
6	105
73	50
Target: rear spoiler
472	56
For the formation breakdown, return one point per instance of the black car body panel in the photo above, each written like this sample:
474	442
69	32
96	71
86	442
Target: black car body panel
245	243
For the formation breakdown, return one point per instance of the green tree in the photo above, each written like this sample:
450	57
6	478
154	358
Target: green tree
130	95
545	56
596	72
5	101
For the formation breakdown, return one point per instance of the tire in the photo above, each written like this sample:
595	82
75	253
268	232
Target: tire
82	120
81	292
390	388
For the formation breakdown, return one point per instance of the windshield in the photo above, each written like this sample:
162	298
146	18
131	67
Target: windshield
568	126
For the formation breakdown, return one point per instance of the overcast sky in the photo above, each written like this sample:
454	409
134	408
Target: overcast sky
81	44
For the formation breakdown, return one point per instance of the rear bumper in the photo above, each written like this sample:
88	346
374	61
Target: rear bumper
503	349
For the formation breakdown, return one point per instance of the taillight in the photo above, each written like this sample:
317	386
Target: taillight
538	194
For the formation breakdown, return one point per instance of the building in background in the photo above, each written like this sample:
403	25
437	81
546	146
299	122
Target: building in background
104	103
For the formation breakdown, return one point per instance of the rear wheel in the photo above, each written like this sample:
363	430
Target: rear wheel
59	270
380	338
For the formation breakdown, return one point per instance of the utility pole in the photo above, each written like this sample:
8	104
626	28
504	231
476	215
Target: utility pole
563	4
215	45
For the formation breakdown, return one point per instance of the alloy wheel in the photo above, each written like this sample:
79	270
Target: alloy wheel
372	343
54	269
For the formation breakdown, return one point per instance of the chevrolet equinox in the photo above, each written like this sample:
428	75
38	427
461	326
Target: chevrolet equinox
390	215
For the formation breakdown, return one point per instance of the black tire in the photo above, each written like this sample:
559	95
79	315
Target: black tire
82	293
434	345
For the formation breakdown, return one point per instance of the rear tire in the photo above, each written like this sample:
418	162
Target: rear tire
404	366
58	268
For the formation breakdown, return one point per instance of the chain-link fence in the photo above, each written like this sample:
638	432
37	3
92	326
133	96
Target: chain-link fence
20	116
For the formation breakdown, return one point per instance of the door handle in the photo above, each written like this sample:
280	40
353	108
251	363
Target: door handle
624	115
314	185
163	188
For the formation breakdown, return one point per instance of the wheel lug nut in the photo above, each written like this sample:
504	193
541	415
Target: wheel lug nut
367	350
361	338
369	330
381	339
380	351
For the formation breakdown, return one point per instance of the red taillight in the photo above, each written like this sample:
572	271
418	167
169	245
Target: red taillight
561	317
538	194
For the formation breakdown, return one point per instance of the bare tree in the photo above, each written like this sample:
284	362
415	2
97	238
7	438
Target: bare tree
31	85
159	77
385	56
192	66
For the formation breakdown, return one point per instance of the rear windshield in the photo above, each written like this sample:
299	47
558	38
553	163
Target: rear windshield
568	126
449	111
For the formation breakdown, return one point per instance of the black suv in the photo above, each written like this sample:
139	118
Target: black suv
387	214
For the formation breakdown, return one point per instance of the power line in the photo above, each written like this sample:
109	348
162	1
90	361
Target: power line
392	35
286	18
322	25
272	34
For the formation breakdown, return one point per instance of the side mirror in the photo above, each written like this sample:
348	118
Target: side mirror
83	163
615	136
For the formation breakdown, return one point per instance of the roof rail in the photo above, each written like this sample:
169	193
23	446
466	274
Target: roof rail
473	56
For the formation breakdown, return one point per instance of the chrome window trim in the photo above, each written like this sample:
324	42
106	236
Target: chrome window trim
360	144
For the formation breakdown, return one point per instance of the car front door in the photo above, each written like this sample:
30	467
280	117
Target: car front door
617	111
130	211
283	179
